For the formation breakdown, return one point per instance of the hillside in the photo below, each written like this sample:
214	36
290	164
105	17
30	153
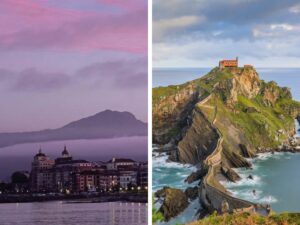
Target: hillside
250	219
106	124
250	113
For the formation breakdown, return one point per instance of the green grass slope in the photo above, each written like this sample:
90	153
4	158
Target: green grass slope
250	219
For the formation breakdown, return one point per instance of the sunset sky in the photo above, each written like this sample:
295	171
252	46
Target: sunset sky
64	60
197	33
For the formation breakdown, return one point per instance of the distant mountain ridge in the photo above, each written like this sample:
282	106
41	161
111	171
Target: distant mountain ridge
105	124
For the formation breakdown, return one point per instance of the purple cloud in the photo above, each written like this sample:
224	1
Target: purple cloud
33	80
119	73
115	73
32	25
5	74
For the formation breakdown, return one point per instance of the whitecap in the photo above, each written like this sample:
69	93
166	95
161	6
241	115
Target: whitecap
268	199
263	156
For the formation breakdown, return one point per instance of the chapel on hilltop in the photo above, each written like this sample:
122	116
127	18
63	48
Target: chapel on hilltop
232	64
229	63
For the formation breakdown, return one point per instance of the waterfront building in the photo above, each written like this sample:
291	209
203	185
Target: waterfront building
65	170
41	175
109	180
86	181
143	175
128	176
66	175
115	162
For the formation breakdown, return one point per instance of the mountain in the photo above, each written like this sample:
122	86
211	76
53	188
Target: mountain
106	124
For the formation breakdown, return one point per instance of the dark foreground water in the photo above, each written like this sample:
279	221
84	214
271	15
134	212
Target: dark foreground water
59	213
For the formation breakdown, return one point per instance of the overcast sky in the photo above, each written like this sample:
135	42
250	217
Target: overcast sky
197	33
64	60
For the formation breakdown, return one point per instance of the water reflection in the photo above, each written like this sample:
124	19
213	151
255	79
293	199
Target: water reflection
61	213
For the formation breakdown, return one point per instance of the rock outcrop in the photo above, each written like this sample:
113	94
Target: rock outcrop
246	152
192	192
230	174
195	176
174	202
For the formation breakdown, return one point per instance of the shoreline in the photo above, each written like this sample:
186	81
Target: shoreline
29	198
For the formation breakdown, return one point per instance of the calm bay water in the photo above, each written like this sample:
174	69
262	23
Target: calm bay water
59	213
276	177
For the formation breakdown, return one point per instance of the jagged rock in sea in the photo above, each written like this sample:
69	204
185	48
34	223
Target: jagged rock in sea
192	192
194	176
174	202
235	160
230	174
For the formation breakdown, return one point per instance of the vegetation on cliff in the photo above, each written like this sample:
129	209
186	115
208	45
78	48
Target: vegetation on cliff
156	215
247	110
250	219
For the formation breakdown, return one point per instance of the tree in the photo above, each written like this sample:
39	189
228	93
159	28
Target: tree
19	178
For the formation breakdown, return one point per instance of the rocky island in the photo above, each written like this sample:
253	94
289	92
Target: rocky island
218	121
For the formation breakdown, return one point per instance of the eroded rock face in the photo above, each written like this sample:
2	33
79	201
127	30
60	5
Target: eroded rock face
170	114
246	152
244	82
199	141
248	83
175	201
235	160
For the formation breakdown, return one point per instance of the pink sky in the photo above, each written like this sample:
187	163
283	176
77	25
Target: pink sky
46	47
29	24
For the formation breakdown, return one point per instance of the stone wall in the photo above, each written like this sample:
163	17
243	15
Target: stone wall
212	199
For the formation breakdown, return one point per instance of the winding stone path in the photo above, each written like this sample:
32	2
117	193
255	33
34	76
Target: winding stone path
211	195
